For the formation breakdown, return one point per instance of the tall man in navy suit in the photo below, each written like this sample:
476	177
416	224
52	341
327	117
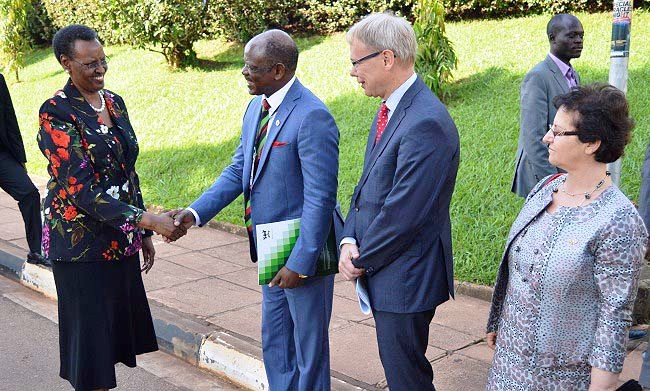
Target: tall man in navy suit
286	166
398	231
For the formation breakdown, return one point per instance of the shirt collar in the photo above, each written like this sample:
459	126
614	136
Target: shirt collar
396	96
564	67
278	96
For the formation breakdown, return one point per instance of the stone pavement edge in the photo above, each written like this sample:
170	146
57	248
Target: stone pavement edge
206	307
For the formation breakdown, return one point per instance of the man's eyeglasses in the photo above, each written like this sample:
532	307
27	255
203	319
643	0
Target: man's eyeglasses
91	66
364	58
561	132
254	69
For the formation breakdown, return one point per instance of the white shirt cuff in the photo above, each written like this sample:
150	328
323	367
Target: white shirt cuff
197	220
348	240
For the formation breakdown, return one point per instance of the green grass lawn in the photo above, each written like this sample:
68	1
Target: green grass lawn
188	122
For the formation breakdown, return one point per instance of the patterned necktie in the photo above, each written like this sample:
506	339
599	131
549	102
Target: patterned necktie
259	144
260	140
382	121
571	76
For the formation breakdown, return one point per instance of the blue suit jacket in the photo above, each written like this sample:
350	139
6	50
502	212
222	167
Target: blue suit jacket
296	175
399	212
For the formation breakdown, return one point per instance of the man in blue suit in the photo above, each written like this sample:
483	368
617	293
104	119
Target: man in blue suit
286	166
398	231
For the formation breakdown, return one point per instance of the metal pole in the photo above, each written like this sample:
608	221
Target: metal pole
619	61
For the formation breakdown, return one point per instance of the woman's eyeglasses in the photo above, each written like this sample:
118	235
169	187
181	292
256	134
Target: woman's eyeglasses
91	66
561	132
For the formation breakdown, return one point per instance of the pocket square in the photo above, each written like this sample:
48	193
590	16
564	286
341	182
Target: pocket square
278	144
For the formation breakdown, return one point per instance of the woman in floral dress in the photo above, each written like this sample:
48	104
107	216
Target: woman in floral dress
95	223
568	278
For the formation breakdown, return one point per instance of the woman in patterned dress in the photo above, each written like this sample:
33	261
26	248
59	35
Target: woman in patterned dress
568	278
94	219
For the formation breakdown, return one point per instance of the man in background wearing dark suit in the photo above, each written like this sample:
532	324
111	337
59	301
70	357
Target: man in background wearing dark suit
551	77
13	175
398	231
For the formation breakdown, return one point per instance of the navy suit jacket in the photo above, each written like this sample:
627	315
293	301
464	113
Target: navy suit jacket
399	212
296	175
10	138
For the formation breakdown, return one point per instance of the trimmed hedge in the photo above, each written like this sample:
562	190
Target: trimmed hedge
475	9
239	20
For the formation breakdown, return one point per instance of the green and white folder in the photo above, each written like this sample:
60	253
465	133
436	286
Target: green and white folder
275	241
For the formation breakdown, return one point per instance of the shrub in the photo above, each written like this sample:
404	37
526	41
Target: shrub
41	29
168	26
14	36
474	9
436	58
240	20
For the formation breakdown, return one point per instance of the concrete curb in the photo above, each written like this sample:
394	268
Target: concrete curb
198	342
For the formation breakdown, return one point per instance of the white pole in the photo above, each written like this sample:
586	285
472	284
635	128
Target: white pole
619	61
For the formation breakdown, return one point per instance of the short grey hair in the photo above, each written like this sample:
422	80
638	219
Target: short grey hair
386	31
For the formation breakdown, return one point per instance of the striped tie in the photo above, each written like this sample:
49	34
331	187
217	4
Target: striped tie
260	140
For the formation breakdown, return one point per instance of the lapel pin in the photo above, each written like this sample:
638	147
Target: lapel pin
277	122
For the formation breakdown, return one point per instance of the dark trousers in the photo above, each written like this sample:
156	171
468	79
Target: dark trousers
403	340
15	181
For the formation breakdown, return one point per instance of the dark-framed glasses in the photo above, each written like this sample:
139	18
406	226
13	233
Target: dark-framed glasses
355	63
91	66
558	131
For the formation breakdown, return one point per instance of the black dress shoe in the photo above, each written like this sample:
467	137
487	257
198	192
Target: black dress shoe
37	259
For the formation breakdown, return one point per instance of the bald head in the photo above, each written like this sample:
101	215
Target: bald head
278	47
559	22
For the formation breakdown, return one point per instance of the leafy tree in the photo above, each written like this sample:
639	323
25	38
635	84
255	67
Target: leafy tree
169	27
436	58
14	33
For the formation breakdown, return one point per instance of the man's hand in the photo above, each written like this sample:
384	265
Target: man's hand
148	254
165	225
184	218
346	268
286	279
178	215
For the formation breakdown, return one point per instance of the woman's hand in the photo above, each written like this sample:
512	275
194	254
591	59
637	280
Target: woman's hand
491	338
148	254
163	224
603	380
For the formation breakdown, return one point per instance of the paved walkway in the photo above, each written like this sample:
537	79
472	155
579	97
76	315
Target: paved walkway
207	275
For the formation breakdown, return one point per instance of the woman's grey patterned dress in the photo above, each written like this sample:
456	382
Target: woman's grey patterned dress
565	290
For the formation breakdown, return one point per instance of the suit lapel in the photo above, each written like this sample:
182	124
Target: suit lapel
279	119
373	153
557	74
371	141
120	121
249	133
92	120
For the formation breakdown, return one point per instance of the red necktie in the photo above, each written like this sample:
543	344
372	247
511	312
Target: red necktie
382	121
